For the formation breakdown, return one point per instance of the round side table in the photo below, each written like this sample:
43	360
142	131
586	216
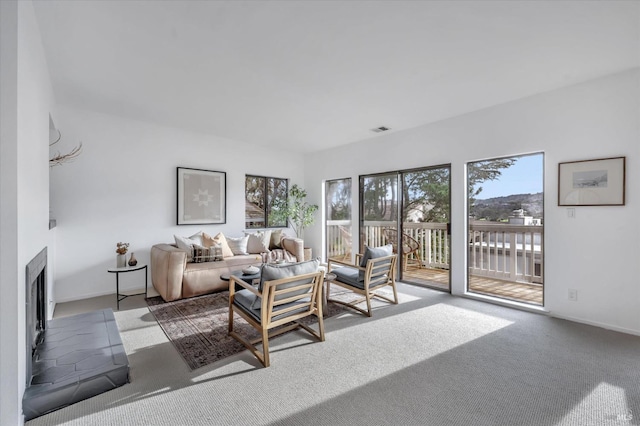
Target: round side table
125	294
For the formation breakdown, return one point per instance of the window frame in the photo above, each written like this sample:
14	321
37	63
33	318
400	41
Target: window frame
265	191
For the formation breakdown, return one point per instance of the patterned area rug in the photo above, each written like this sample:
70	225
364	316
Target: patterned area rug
198	326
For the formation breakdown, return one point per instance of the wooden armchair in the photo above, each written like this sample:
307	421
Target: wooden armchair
285	295
374	269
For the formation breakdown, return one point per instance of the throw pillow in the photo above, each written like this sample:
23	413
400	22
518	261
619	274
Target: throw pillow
276	237
258	241
207	240
375	252
186	244
206	254
222	240
272	272
238	245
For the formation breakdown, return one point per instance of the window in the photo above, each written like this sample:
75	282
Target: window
263	195
506	244
338	219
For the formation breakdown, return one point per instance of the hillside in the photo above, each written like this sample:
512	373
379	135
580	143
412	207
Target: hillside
500	208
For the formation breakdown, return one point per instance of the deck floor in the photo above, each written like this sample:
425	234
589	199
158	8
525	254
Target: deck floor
439	278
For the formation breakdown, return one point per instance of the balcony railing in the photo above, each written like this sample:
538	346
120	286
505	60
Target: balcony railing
497	250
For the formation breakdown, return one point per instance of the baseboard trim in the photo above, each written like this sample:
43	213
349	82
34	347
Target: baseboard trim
596	324
83	296
506	303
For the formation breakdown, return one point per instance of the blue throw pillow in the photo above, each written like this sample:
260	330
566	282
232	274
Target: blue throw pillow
272	272
375	252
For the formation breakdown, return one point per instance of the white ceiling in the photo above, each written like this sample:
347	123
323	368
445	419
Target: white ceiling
309	75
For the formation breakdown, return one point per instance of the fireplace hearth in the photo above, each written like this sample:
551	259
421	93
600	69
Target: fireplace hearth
68	359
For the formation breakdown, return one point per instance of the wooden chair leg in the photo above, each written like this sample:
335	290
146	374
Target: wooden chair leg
321	328
368	297
320	312
265	347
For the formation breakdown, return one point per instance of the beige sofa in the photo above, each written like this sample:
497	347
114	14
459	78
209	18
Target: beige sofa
175	278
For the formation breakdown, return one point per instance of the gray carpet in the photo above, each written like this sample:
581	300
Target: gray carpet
433	359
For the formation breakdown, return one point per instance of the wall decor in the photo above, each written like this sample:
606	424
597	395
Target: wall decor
599	182
202	197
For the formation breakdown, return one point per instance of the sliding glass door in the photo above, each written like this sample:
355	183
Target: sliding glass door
426	227
410	209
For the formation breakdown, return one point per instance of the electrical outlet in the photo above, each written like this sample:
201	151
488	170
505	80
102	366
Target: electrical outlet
573	295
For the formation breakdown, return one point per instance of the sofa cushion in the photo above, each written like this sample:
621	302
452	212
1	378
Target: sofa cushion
258	241
240	261
238	245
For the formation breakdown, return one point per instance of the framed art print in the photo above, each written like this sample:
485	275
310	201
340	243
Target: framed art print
598	182
202	197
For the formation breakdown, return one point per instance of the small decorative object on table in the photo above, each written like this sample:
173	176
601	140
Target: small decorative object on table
132	260
121	259
250	270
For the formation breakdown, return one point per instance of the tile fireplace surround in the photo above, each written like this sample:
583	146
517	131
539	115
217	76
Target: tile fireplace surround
79	357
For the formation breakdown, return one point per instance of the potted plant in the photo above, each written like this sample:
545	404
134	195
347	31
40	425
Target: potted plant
297	211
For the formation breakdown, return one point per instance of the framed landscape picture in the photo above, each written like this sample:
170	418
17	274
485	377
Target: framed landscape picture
598	182
202	197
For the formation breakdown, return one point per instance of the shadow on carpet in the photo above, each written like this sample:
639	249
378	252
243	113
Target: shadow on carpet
198	326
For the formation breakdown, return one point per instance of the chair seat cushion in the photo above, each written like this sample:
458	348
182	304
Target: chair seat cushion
354	277
245	299
350	276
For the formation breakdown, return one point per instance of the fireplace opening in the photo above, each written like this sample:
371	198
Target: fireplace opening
36	307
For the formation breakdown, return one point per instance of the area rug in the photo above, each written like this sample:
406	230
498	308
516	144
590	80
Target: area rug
198	326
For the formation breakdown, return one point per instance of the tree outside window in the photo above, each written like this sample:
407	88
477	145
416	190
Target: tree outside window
262	196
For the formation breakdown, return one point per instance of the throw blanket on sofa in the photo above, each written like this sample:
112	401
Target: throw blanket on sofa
278	255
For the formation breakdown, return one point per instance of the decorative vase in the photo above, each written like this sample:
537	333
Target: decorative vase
132	260
121	261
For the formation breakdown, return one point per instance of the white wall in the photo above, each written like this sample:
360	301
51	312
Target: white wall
24	175
595	253
123	188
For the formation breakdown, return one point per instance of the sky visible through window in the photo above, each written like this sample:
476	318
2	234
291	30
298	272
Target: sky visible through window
524	177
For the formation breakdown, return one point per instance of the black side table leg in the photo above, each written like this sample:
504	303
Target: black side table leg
117	291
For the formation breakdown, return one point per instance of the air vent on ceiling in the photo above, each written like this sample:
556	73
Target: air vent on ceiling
380	129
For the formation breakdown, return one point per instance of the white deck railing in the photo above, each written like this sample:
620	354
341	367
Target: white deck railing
498	250
510	252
